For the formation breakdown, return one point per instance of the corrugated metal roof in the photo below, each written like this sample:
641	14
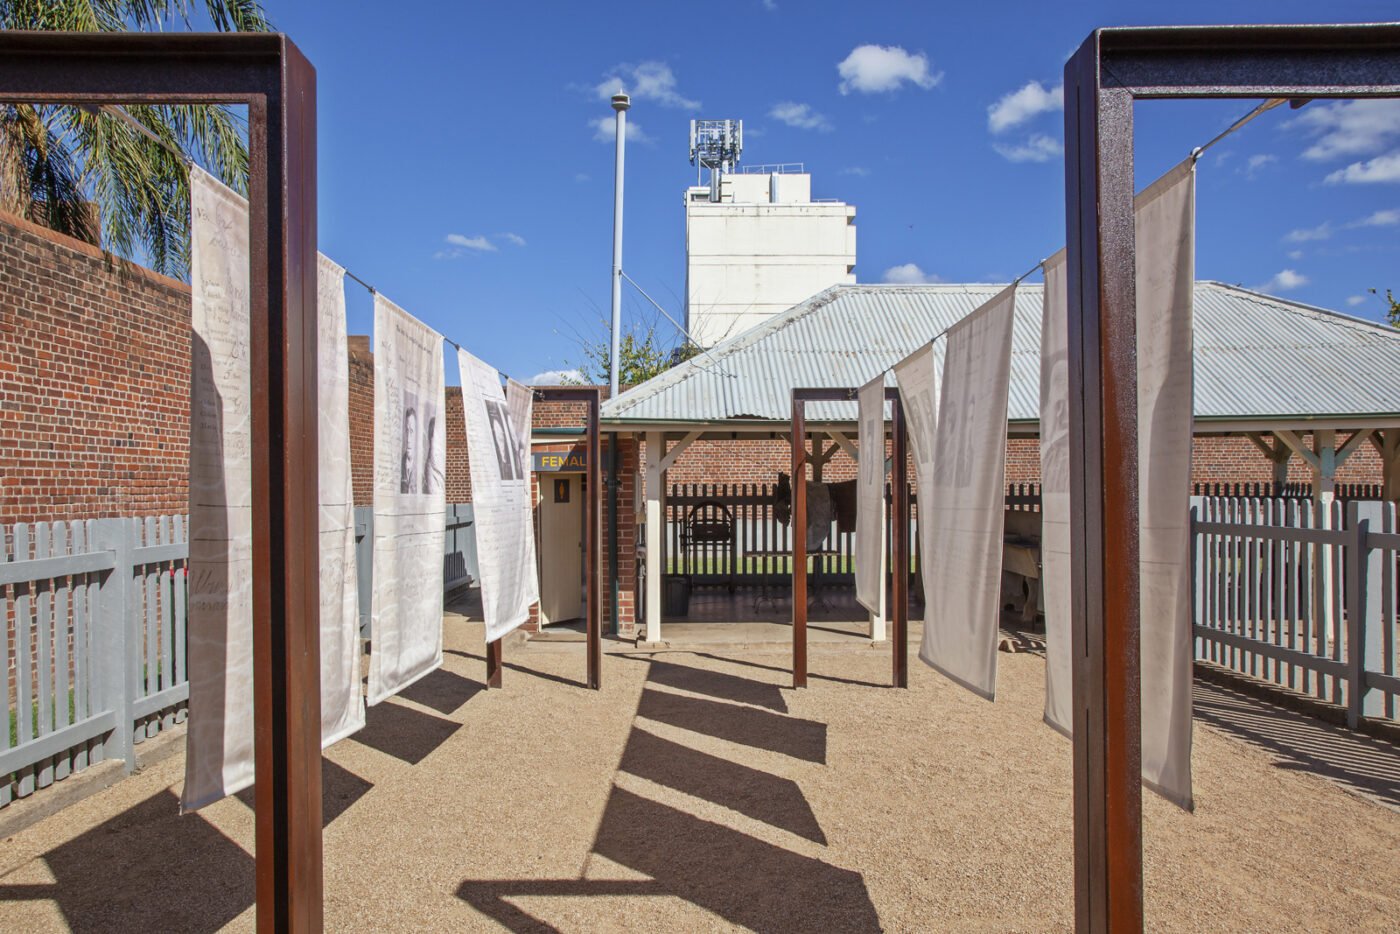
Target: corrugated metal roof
1257	357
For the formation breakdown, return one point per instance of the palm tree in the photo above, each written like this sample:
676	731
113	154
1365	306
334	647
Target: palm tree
85	172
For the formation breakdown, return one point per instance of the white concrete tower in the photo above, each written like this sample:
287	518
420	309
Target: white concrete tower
756	243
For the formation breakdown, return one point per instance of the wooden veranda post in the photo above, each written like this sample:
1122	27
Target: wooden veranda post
1111	69
268	74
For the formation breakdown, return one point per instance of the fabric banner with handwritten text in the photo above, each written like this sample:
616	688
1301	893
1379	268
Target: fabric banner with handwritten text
498	446
219	653
870	497
342	703
409	501
965	510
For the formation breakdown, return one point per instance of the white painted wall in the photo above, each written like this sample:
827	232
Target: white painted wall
762	249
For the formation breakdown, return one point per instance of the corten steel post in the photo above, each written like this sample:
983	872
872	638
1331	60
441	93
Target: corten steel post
799	541
278	85
899	551
494	663
1111	69
899	639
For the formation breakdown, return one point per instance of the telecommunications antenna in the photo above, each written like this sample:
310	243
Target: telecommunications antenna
715	145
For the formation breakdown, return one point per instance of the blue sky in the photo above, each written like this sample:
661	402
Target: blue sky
462	173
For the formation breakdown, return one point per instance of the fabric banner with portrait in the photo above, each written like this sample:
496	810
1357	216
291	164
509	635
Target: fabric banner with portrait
1165	232
870	497
964	513
1054	496
342	702
219	652
498	450
409	501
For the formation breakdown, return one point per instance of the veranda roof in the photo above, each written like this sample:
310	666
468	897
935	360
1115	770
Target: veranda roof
1261	361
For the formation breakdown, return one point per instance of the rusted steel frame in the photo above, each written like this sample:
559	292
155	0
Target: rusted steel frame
1111	69
799	541
268	74
592	535
899	551
494	663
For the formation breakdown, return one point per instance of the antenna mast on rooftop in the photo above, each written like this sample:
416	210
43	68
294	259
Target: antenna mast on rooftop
715	145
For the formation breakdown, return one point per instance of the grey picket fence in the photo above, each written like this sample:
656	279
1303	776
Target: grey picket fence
1302	597
94	615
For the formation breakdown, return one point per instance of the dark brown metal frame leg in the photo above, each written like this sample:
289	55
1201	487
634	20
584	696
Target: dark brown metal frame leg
799	544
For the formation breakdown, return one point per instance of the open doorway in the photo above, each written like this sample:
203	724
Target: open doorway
562	584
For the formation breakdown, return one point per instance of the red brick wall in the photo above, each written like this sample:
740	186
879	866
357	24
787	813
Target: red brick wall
94	382
1214	460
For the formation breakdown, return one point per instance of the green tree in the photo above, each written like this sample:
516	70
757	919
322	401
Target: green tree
1393	315
642	354
87	173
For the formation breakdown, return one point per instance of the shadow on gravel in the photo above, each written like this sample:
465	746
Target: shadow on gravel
403	732
147	869
746	881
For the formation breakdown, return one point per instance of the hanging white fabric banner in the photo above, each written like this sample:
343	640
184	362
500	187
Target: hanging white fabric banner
966	508
219	653
409	501
1166	273
1165	225
342	703
917	377
870	497
498	453
1054	496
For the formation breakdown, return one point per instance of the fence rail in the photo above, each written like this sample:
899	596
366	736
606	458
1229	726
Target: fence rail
1301	595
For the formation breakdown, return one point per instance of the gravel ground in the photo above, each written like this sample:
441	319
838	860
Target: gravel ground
696	792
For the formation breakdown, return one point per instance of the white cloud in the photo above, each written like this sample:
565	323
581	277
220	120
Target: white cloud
1019	106
1257	162
909	274
871	69
479	242
581	176
1348	128
1387	218
859	171
801	116
648	81
770	5
556	378
1038	148
1354	300
1283	281
605	130
1380	169
1322	231
1295	255
514	238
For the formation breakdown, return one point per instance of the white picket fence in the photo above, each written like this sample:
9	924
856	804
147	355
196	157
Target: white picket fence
1303	597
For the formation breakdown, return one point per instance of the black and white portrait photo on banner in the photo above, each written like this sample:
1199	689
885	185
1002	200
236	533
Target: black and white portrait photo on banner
409	501
498	446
